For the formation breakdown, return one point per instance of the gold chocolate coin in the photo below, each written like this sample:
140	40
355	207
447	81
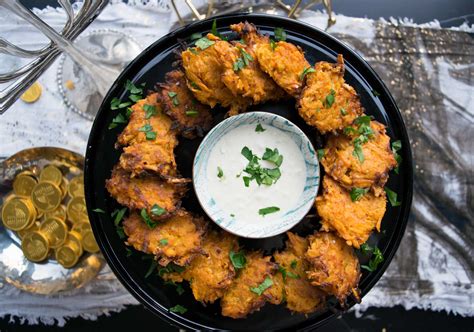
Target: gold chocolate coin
35	246
63	186
58	213
17	214
23	185
89	243
46	196
76	210
76	187
34	227
76	240
81	227
55	231
51	174
66	256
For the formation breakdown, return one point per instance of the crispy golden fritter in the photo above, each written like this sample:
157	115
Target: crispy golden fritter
154	154
190	117
145	192
211	272
340	160
300	295
333	266
327	102
239	300
176	239
353	221
203	70
246	80
283	61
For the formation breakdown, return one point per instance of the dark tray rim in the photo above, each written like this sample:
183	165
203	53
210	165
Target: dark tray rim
119	270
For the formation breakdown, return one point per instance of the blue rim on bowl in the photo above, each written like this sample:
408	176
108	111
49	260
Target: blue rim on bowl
262	228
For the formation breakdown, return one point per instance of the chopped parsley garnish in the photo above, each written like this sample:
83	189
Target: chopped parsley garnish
349	131
119	119
163	242
172	94
134	90
204	43
305	72
366	248
285	273
343	112
357	193
128	112
330	98
267	176
118	216
193	51
179	289
268	210
151	268
358	153
396	146
365	133
375	260
148	130
320	153
241	41
220	172
146	218
194	85
192	113
273	45
157	210
375	93
259	128
174	97
242	61
215	32
129	252
238	259
293	264
135	98
178	309
267	283
98	210
280	34
195	36
170	268
232	215
117	104
150	110
392	197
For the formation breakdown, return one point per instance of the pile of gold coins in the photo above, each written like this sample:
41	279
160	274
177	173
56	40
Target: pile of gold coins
49	215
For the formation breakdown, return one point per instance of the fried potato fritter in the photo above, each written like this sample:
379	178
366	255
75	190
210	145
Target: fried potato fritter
283	61
191	118
355	222
300	295
333	266
239	300
242	74
148	154
203	70
327	102
144	192
340	160
176	240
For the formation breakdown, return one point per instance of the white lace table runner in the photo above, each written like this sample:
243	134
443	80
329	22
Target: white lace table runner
438	280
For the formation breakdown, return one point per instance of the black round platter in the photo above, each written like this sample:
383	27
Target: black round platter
150	67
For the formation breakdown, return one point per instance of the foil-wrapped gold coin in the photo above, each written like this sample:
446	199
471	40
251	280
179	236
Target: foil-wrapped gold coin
88	242
63	186
55	231
46	196
81	227
17	214
33	227
59	213
66	256
35	246
76	209
23	185
76	239
76	186
51	174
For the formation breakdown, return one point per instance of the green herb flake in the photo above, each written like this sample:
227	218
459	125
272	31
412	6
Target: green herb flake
273	156
119	119
267	283
194	85
349	131
375	93
150	135
330	98
128	112
247	153
305	72
259	128
320	153
215	32
178	309
376	259
157	210
151	268
268	210
172	94
135	90
119	216
293	264
163	242
292	275
238	64
232	215
145	128
193	51
358	153
392	197
179	289
98	210
273	44
397	146
135	98
238	259
114	103
220	172
366	248
343	112
282	270
192	113
204	43
146	218
128	252
195	36
120	232
246	180
150	110
357	193
280	34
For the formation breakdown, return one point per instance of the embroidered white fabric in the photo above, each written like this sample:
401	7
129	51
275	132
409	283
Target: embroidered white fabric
49	123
